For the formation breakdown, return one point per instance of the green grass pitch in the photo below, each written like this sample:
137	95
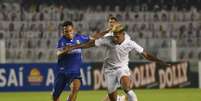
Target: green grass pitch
143	95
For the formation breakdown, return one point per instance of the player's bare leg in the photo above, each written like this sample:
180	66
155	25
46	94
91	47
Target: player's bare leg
113	96
125	83
75	86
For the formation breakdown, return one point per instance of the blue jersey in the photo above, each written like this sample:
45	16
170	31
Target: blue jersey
72	61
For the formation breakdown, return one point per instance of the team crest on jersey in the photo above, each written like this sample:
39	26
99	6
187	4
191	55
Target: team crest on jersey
78	41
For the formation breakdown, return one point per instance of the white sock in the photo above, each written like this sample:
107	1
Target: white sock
67	99
131	96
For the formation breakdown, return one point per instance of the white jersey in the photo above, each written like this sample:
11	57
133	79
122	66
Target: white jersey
117	55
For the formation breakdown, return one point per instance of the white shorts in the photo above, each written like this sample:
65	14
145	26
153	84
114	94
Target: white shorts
112	77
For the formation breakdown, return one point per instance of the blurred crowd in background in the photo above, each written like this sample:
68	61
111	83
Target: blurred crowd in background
31	28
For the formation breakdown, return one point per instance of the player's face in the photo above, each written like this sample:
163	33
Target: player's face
118	37
68	31
112	22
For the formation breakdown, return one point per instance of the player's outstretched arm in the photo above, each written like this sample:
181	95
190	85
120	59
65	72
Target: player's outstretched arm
69	48
100	34
62	52
150	57
90	43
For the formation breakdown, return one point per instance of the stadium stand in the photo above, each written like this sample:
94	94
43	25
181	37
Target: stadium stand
31	28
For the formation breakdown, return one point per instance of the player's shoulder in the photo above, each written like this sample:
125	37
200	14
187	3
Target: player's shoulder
129	41
128	38
80	35
106	39
77	34
60	42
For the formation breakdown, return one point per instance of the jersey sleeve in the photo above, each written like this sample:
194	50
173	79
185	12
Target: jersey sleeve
84	38
136	47
104	41
60	45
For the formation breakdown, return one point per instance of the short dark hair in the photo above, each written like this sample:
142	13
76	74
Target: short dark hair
67	23
112	18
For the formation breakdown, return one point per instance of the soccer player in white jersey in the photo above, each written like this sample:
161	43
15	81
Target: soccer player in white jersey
116	60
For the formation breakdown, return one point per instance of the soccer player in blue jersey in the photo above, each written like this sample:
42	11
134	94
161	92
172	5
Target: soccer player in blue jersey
69	62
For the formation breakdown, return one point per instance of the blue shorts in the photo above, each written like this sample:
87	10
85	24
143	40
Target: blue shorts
62	79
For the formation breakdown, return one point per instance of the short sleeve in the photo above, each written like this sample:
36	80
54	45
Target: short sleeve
136	46
84	38
104	41
60	45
